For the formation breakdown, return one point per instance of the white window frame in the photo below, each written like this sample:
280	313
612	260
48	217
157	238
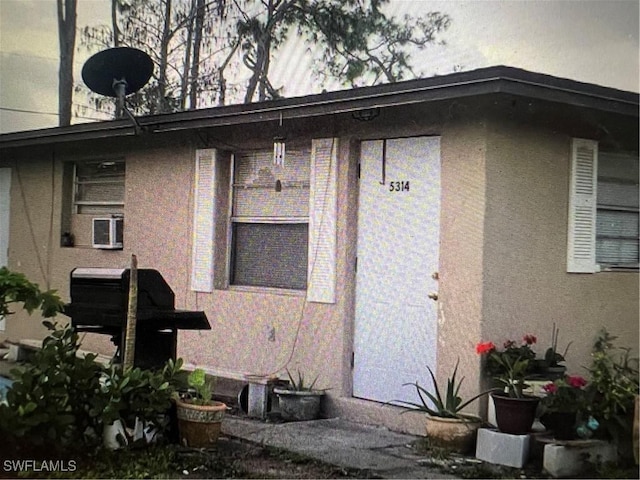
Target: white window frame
80	203
233	219
613	208
583	211
322	222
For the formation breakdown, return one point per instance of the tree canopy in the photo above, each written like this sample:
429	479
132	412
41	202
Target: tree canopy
212	52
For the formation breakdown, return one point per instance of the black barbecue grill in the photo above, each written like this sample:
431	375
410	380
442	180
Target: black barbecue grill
99	304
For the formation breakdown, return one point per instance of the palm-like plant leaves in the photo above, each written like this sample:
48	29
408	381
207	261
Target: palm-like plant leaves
300	385
449	407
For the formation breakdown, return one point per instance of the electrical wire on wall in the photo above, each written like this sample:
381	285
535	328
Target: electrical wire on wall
43	265
50	239
305	302
300	317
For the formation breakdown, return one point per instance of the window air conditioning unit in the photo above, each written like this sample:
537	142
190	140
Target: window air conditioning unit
107	233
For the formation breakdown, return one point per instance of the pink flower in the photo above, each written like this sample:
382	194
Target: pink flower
550	388
485	347
509	344
576	381
529	339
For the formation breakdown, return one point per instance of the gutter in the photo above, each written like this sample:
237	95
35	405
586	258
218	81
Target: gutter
492	80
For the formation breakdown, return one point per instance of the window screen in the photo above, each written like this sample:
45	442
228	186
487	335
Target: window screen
99	187
270	255
270	220
617	222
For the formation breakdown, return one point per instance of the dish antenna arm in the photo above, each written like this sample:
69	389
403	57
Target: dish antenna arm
120	88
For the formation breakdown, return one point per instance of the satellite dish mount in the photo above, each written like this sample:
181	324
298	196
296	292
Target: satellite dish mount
119	87
118	72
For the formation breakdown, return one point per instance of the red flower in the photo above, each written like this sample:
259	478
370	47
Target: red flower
509	344
576	381
485	347
550	388
529	339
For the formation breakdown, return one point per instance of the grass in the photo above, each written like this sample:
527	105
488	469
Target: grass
231	459
161	461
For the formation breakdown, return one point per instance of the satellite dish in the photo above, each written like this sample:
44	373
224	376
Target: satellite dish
118	72
105	71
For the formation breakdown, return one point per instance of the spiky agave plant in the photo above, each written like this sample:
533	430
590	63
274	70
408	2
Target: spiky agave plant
447	407
299	385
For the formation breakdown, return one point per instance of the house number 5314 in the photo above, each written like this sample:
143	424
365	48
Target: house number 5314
399	186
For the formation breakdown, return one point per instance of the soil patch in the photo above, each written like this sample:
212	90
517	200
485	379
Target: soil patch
231	458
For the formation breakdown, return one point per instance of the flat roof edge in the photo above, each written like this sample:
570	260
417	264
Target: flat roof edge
491	80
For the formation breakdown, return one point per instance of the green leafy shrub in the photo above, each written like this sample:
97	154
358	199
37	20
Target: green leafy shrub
16	288
50	400
612	390
136	393
61	398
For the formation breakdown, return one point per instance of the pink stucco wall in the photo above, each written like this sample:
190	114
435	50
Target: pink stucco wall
502	252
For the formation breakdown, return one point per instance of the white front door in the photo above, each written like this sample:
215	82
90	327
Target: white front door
395	336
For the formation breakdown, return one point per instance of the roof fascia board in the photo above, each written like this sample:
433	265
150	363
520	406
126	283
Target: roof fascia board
569	97
324	108
460	85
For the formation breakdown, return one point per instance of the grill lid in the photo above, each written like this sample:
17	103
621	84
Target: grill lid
98	273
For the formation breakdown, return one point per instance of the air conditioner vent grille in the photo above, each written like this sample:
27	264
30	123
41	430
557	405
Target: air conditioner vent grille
107	233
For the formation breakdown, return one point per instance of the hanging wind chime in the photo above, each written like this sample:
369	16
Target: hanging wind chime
279	152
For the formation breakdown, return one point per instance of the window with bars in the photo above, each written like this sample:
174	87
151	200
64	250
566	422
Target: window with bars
617	217
270	220
99	187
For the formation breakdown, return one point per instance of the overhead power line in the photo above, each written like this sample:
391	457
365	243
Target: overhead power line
35	112
21	110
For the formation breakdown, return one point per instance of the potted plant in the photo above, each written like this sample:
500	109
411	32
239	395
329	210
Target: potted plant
515	411
133	403
299	401
446	425
564	398
553	359
199	417
611	393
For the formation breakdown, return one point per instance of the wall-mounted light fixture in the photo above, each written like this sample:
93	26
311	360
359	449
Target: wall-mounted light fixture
366	114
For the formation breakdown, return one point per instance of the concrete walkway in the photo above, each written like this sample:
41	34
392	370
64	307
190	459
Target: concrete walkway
338	442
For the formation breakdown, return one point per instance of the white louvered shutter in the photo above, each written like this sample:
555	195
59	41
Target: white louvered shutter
323	210
5	187
581	254
204	221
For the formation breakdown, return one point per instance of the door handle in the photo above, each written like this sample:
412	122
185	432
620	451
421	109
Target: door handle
433	296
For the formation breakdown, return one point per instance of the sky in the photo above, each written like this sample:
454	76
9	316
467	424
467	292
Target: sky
593	41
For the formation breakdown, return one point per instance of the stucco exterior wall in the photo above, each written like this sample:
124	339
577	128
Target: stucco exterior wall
526	285
502	252
460	300
254	331
34	242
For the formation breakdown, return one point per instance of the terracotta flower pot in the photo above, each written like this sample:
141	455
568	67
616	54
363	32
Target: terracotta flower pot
455	434
515	415
199	425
